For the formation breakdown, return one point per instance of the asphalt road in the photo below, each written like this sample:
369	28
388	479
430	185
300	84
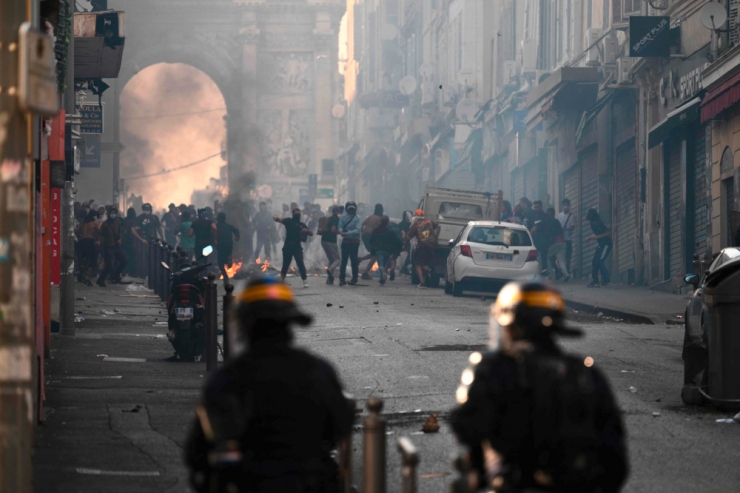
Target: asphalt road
405	345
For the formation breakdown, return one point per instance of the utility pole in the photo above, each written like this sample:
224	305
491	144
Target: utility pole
67	281
16	286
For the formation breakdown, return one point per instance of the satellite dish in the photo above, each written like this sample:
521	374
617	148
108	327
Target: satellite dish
389	32
466	77
338	110
426	70
466	110
407	86
713	15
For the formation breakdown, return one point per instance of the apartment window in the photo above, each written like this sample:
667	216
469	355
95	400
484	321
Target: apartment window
327	167
732	11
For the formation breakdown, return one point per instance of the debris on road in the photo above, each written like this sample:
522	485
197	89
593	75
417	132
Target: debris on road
431	425
136	287
627	371
79	319
106	312
136	409
81	299
457	330
102	356
633	390
376	302
656	414
328	305
726	420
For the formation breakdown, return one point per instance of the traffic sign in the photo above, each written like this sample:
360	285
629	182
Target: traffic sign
90	155
325	193
92	118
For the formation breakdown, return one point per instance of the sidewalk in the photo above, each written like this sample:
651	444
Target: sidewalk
634	304
117	411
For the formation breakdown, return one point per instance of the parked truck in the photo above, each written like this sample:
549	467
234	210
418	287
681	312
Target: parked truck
452	210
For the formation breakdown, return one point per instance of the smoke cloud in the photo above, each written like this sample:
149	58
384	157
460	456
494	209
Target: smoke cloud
171	116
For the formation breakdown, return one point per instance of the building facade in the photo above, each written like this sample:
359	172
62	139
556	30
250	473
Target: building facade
542	99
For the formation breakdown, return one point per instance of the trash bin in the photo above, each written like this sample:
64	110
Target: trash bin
722	297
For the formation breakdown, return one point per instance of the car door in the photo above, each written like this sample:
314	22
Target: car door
454	253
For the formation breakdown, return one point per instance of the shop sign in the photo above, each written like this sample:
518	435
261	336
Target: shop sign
650	36
92	118
682	80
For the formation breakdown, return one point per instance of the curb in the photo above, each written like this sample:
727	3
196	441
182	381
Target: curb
629	317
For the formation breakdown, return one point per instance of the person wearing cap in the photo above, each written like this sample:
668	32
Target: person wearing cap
171	221
533	417
268	419
149	223
350	227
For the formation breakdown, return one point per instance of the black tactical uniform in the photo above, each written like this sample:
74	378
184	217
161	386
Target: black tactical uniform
269	418
533	418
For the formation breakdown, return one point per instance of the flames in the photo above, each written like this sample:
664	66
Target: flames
375	267
233	269
264	265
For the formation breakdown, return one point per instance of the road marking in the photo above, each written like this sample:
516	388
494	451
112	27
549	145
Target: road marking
113	377
379	355
100	472
124	360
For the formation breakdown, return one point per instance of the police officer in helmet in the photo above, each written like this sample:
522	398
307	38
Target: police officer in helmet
533	417
269	418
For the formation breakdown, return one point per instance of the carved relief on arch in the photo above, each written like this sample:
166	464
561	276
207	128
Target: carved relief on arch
286	72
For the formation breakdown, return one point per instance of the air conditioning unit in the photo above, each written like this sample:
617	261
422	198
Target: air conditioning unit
610	47
624	70
540	76
511	71
529	56
591	47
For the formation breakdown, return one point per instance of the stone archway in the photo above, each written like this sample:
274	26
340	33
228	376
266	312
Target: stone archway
275	62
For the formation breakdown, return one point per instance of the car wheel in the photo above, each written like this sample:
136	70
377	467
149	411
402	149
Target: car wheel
448	287
457	290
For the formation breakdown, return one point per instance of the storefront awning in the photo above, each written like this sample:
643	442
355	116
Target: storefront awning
683	115
721	99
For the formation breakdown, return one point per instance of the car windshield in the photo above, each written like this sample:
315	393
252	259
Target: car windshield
499	235
460	210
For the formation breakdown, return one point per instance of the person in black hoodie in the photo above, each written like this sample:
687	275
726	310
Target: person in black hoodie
385	243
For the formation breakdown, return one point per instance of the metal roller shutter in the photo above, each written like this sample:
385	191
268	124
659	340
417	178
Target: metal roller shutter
531	181
572	192
701	203
626	207
674	211
497	180
517	186
589	200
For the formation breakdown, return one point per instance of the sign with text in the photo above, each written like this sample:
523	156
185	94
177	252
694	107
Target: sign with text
325	193
650	36
92	118
90	155
56	235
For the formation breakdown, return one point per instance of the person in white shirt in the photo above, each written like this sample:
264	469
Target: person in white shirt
568	222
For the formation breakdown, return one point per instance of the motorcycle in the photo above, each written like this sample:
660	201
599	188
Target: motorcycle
186	313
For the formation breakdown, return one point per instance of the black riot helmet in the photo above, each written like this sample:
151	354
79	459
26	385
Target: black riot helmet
528	311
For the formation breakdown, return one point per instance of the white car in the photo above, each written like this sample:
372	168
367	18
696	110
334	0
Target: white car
488	254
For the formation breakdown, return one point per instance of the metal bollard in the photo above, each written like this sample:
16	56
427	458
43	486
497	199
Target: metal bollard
409	461
228	299
374	448
467	479
211	345
345	462
150	265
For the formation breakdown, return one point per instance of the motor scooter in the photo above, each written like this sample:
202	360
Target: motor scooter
186	313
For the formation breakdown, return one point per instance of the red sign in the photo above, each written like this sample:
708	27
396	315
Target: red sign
56	235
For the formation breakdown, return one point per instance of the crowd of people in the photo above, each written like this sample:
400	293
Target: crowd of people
331	240
553	237
314	239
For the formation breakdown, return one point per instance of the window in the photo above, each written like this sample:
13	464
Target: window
460	211
500	236
327	167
